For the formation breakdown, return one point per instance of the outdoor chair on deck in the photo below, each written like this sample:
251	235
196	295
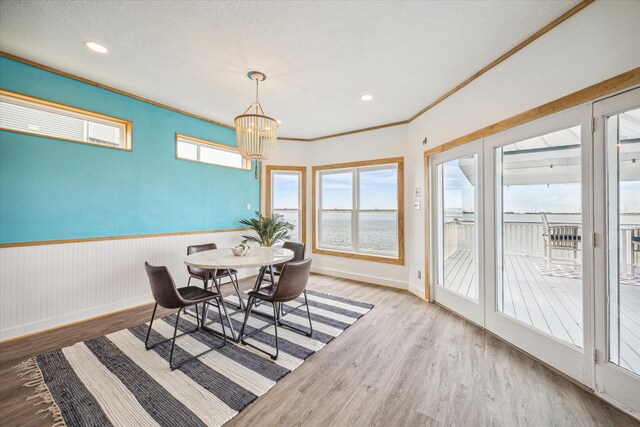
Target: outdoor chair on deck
560	237
167	295
635	250
292	284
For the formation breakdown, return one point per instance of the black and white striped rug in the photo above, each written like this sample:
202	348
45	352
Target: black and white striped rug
113	380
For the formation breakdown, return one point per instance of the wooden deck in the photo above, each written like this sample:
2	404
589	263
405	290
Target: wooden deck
551	302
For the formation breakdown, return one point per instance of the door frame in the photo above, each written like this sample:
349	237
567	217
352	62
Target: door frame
585	97
471	310
612	382
563	356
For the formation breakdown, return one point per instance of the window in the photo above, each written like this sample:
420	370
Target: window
34	116
358	210
286	195
203	151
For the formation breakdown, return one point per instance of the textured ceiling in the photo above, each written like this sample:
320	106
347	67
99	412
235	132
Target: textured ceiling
320	57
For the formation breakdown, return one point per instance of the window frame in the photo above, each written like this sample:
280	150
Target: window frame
356	168
199	142
70	111
272	170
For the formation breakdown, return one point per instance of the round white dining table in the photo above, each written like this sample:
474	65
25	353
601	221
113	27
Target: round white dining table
224	259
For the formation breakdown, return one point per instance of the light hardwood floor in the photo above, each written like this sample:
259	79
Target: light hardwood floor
551	303
405	363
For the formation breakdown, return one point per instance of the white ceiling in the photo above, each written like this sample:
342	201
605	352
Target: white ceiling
320	57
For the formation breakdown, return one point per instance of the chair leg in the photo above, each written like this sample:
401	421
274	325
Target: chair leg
194	357
224	330
146	341
197	315
196	306
306	301
173	341
294	328
275	325
250	303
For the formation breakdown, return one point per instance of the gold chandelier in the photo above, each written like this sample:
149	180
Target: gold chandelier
256	133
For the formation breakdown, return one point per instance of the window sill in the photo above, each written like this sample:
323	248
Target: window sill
364	257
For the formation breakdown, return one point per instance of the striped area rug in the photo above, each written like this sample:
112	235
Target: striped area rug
113	380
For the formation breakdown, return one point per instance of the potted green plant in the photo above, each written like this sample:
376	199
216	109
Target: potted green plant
269	229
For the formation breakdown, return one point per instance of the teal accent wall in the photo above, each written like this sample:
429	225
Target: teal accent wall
52	189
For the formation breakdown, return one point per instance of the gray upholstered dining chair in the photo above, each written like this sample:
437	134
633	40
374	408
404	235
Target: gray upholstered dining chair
167	295
216	276
298	250
293	282
298	255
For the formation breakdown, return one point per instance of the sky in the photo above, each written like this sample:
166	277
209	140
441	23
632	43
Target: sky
285	191
378	190
557	198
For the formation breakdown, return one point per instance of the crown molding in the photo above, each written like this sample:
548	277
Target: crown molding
568	14
111	88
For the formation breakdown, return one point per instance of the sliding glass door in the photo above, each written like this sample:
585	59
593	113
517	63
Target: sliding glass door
539	229
537	180
617	144
535	235
456	247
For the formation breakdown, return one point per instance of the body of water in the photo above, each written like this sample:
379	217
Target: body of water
378	231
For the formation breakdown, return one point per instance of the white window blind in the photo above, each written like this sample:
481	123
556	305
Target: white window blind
20	113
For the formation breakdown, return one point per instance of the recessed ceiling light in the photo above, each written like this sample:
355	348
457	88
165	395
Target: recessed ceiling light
366	97
96	47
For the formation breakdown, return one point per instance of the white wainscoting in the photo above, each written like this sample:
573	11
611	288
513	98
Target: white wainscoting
42	287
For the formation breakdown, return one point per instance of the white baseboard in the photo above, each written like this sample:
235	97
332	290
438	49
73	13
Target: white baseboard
56	322
360	277
417	290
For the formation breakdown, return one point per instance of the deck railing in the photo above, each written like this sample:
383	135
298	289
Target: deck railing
526	238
